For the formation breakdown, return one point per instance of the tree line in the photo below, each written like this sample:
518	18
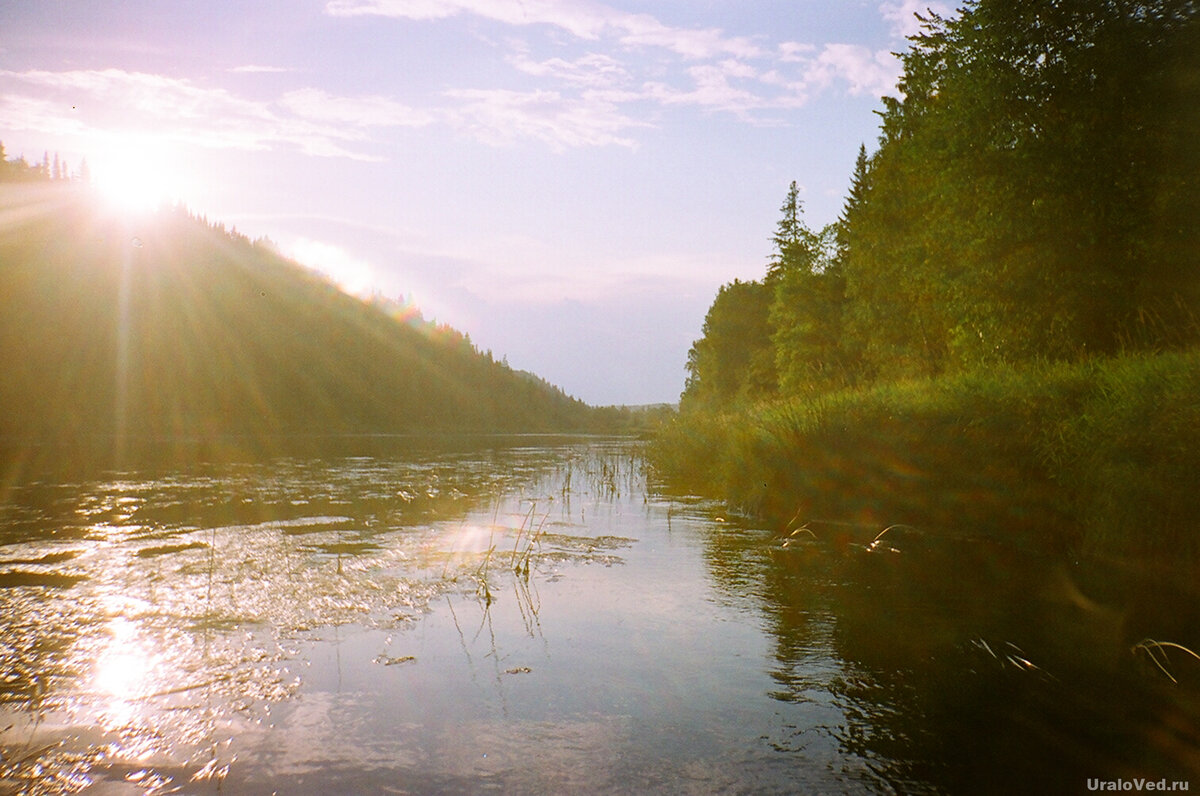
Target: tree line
1033	196
189	334
48	169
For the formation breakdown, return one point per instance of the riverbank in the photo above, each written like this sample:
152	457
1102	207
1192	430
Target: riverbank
1098	459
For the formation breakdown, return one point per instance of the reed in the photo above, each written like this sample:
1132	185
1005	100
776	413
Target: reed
1095	458
1156	651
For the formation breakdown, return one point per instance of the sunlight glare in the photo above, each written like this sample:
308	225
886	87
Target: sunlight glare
352	275
122	672
137	174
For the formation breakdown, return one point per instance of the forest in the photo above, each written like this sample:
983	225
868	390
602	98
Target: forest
177	332
1012	285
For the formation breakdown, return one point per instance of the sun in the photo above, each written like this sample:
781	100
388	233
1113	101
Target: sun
136	174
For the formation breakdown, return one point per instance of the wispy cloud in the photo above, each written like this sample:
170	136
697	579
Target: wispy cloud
258	69
500	116
902	14
593	92
19	112
364	111
592	70
581	18
103	101
712	90
704	68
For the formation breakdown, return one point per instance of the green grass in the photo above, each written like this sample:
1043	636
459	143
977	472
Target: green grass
1099	458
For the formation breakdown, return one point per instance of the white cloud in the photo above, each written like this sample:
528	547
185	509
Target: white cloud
791	52
642	29
865	71
581	18
500	116
711	90
901	15
257	69
101	102
410	9
589	70
712	71
364	111
310	120
18	112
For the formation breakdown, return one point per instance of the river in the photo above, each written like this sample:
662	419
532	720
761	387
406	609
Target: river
533	615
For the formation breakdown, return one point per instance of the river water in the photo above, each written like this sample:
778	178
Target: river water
534	616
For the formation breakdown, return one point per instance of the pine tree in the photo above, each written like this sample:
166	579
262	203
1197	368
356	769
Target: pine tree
792	237
856	196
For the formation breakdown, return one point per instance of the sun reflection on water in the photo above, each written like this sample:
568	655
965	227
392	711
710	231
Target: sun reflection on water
153	619
123	673
470	539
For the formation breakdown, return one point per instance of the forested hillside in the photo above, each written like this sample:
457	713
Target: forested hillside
173	328
999	333
1034	195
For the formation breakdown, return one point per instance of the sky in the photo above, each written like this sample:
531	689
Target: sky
568	182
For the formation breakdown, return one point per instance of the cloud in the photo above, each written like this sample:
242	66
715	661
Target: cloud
501	116
713	71
901	15
108	101
791	52
582	19
711	90
410	9
256	69
310	120
364	111
19	112
642	29
589	70
865	71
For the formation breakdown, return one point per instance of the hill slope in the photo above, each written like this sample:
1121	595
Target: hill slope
173	328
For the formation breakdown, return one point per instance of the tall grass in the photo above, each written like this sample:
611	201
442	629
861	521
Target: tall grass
1096	458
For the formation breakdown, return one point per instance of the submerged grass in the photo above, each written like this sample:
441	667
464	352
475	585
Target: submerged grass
1099	458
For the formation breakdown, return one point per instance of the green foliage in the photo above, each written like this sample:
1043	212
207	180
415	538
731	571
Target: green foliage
1097	458
978	341
20	170
1131	454
1033	196
734	359
806	316
1026	200
779	336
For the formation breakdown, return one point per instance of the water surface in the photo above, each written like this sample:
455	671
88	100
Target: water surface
536	617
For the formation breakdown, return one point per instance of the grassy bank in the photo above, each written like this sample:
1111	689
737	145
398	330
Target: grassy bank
1098	459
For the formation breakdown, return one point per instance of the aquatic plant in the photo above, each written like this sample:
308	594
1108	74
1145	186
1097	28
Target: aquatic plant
1156	651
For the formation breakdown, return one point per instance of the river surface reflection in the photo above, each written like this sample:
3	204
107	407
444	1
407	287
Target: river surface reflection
534	617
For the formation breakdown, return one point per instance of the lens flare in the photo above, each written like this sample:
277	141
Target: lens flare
137	174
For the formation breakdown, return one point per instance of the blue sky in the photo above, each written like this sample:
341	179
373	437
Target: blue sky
567	182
